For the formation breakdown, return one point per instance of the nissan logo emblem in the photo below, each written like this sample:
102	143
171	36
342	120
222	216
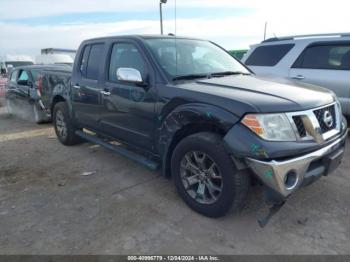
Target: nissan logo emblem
328	118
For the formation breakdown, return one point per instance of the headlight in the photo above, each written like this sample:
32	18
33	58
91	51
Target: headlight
274	127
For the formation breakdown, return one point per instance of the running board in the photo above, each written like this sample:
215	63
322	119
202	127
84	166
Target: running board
153	165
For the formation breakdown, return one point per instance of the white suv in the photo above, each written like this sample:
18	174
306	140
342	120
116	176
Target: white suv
322	60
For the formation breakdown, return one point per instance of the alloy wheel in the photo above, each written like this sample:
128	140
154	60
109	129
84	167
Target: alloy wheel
201	177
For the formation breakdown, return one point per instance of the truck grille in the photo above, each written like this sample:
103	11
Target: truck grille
300	126
319	114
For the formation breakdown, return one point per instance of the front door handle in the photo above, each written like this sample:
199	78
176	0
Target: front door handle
76	86
298	77
105	93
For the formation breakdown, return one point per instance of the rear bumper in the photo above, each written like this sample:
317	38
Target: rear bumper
286	176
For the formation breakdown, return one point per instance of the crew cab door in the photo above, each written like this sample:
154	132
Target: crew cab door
128	108
326	65
86	86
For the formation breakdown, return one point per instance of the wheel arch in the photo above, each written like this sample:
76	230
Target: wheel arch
186	120
56	99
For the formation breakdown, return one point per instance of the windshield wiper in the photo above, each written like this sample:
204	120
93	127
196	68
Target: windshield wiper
191	76
209	75
228	73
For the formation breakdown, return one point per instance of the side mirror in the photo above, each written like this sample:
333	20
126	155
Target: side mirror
30	84
130	75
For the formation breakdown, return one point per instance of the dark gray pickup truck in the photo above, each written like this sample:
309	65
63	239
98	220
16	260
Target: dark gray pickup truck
187	106
29	92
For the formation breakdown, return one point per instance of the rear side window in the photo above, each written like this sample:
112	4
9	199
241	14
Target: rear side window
93	62
268	55
35	75
333	57
83	61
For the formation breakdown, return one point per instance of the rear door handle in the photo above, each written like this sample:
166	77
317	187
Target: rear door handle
298	77
105	93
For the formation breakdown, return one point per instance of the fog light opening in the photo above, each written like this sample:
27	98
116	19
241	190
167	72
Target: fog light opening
291	180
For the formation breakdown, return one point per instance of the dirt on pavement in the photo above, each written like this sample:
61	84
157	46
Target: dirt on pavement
48	206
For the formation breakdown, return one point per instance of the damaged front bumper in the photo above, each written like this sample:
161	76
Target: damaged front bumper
286	176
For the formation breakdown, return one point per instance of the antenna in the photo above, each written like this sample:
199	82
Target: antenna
161	14
175	39
175	18
265	30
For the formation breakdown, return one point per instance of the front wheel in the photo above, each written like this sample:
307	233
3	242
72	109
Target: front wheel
206	177
64	128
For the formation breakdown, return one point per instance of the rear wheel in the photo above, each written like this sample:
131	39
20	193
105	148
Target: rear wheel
206	177
64	128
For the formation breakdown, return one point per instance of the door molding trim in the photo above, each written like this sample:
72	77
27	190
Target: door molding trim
125	129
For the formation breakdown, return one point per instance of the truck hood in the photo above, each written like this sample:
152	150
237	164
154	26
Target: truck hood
255	94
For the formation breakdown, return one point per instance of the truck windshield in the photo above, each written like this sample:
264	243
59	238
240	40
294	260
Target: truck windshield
187	57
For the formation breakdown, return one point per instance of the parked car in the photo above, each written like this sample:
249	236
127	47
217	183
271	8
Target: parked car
27	86
190	107
322	60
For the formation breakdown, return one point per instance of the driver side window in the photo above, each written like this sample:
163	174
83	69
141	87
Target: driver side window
128	56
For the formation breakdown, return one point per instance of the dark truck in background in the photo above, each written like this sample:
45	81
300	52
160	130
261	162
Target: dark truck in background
187	106
29	93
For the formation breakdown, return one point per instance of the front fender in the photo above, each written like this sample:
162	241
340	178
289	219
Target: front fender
193	115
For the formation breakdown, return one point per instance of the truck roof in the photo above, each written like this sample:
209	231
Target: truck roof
303	37
142	37
46	67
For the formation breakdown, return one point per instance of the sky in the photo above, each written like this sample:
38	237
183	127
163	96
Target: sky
26	26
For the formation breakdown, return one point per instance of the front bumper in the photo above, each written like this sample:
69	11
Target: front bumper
286	176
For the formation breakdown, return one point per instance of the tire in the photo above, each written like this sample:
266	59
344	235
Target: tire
39	116
64	128
234	184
